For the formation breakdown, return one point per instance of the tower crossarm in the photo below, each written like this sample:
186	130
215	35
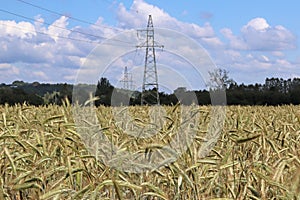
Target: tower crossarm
150	93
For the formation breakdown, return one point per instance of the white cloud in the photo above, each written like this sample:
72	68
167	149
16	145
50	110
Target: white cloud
55	31
212	42
137	17
257	34
23	30
8	71
235	42
259	24
260	36
265	58
227	57
40	75
38	46
283	62
35	51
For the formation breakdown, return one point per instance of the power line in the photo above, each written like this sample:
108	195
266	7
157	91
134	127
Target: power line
42	22
73	18
62	37
75	31
77	19
69	38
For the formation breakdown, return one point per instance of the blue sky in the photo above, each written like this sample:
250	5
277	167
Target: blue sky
253	40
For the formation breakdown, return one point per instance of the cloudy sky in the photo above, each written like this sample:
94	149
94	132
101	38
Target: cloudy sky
50	41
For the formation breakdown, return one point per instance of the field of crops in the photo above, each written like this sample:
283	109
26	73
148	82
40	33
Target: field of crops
257	156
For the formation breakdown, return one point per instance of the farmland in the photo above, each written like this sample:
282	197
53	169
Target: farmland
257	156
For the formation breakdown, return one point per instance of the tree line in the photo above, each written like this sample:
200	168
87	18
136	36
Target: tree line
274	91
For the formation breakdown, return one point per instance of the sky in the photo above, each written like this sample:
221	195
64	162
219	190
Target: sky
52	41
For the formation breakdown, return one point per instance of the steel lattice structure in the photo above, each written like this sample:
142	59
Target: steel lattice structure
150	93
127	80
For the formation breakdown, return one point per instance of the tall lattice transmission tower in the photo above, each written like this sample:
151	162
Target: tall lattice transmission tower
127	80
150	91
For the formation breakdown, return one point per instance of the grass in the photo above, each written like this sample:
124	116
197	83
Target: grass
42	156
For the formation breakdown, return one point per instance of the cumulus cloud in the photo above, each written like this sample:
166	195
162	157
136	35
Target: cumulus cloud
137	17
235	42
36	51
12	28
259	24
59	28
257	34
36	45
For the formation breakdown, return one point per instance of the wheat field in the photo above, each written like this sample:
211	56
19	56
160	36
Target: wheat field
257	156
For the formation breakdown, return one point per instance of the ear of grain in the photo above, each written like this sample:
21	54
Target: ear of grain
42	155
54	193
153	194
247	139
12	164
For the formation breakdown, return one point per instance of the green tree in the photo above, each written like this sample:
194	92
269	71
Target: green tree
104	92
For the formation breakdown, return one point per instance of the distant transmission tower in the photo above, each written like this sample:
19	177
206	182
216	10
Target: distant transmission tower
127	80
150	94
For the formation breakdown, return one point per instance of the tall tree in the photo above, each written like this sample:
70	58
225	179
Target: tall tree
219	79
104	92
